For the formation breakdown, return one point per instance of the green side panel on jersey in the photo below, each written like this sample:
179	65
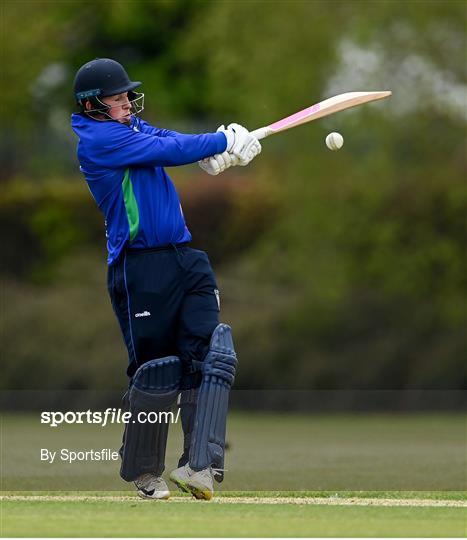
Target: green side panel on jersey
131	206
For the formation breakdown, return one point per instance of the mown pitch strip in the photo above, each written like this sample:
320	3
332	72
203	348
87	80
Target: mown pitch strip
331	501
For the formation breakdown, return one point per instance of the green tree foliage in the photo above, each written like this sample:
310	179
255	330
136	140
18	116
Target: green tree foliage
371	243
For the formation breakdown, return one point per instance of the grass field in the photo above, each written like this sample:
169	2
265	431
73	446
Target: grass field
289	475
129	516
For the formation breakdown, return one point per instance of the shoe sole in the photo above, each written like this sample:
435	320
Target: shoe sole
144	496
196	491
179	483
200	493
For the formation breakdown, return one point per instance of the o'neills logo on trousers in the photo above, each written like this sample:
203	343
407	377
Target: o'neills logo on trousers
143	314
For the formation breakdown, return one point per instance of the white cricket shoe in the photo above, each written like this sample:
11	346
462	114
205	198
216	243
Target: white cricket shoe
150	486
198	483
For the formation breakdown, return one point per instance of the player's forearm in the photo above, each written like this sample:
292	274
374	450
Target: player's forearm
183	149
128	148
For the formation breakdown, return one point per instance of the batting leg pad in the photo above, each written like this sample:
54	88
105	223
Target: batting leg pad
208	437
155	387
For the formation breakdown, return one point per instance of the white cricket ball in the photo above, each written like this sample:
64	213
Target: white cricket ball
334	141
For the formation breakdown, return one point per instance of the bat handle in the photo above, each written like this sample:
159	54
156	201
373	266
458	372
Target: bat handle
261	133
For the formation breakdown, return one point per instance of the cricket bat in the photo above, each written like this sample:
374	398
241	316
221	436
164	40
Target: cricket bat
319	110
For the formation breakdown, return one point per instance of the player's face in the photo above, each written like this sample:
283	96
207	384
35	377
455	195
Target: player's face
120	107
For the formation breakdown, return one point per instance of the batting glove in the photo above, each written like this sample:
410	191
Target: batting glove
241	143
218	163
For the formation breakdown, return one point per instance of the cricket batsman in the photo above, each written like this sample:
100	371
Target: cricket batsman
163	292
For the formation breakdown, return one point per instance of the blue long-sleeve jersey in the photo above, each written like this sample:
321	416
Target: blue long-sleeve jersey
123	166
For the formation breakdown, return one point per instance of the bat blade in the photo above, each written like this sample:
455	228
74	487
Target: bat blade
321	109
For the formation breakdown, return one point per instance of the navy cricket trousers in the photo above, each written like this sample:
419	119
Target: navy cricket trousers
167	303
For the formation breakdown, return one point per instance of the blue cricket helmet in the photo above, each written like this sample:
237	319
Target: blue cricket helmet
102	77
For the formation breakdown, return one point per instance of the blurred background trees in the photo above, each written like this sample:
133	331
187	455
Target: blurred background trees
337	270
